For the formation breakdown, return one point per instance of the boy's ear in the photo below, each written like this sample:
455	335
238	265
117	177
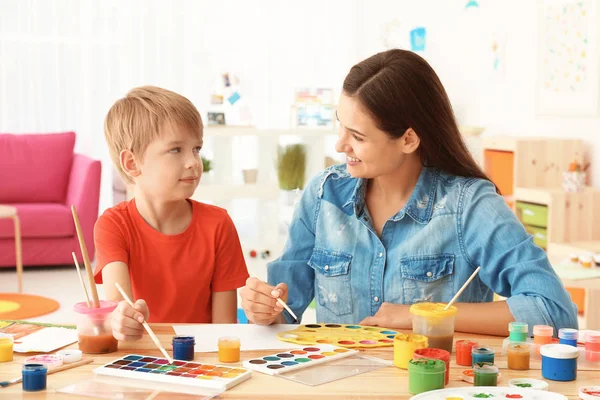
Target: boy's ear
129	164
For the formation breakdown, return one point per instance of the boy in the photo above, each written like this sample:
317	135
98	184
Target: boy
182	259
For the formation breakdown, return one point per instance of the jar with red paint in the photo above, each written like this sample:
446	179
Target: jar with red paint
435	354
463	352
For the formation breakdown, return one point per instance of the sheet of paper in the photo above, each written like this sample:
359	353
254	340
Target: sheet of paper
45	340
252	337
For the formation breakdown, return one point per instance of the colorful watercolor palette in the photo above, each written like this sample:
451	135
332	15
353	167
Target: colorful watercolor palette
486	392
135	366
349	336
280	363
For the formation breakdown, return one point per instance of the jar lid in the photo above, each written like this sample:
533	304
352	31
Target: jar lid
482	350
485	368
543	330
27	368
105	307
427	365
6	338
562	351
466	343
568	333
437	354
412	338
433	310
518	327
592	337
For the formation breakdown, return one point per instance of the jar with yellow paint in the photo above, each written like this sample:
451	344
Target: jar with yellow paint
405	346
6	347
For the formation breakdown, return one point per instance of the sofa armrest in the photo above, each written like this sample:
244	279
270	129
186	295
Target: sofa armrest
84	194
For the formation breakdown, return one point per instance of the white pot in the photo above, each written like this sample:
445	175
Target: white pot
250	175
289	198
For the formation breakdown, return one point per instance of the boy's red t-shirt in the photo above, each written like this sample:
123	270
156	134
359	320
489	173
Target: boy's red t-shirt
175	274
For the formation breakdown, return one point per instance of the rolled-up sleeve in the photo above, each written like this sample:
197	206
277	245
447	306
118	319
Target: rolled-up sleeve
512	265
292	267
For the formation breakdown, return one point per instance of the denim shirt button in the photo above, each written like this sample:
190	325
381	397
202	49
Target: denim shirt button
326	268
429	274
380	255
376	299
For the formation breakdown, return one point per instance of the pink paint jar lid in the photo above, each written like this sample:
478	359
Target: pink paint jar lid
105	308
543	330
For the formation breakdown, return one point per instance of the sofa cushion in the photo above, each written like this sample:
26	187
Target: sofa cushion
40	220
35	168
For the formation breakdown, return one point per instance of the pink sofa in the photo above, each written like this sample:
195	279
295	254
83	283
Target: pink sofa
42	177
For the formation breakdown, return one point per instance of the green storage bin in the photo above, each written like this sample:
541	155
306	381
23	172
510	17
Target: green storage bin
540	235
533	214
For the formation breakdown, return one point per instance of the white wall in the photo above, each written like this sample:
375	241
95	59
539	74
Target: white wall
64	62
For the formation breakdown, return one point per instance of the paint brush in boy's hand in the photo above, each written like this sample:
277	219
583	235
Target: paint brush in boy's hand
146	326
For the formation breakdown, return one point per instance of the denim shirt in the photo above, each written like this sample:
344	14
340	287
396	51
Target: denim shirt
449	226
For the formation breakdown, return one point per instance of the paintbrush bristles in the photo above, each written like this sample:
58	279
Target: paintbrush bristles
86	259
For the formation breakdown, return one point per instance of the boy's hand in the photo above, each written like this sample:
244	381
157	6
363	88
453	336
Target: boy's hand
127	321
259	301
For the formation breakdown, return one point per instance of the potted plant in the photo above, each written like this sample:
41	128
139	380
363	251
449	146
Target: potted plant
207	174
291	166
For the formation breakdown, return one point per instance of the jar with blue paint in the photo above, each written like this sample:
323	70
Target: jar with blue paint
482	355
568	336
517	331
559	362
183	348
34	377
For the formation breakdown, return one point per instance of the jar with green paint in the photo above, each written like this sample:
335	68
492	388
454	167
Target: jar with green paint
486	374
425	374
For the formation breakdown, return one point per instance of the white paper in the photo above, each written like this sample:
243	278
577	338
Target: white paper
45	340
252	337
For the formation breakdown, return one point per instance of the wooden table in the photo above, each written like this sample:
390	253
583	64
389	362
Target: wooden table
11	212
385	383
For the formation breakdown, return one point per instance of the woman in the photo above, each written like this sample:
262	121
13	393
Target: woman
407	219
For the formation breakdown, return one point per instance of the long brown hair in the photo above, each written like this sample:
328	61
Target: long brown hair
400	90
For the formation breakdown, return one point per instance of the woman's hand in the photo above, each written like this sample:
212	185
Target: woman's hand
390	315
259	301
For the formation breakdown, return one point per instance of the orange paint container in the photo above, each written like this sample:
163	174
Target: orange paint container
229	349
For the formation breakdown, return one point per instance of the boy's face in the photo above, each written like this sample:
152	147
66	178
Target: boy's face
171	167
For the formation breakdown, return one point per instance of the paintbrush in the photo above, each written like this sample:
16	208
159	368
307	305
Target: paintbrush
282	303
50	371
462	288
87	297
86	259
146	326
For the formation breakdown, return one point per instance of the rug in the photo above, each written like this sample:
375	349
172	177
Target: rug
23	306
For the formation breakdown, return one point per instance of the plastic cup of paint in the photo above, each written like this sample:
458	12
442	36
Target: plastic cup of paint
517	331
34	377
425	375
183	347
431	320
229	349
482	355
542	334
6	347
435	354
559	362
519	355
486	374
405	346
94	329
592	346
463	352
568	336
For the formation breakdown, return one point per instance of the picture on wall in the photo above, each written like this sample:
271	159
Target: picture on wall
567	81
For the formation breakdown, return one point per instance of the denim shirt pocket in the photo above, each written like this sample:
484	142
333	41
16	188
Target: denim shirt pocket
427	278
333	288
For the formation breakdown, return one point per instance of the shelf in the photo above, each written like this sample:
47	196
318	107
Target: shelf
232	131
266	191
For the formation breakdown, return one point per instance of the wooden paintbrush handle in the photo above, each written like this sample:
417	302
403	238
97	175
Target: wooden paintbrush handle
86	258
70	365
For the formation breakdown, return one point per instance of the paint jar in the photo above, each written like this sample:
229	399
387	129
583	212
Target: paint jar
229	349
431	320
542	334
6	347
183	348
94	329
568	336
559	362
405	346
586	261
435	354
482	355
517	331
425	375
519	355
592	346
34	377
486	374
463	352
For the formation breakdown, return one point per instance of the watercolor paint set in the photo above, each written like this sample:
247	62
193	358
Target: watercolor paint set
155	369
341	335
283	362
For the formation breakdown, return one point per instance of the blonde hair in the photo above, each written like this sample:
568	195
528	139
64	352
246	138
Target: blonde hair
134	121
